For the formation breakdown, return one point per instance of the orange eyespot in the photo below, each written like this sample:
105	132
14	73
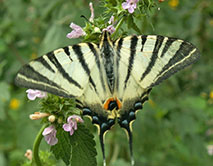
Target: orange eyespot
118	103
106	104
112	103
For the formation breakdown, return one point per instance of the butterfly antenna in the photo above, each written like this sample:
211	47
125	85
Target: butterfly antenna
101	137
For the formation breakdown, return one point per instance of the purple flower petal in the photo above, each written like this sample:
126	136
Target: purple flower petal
49	134
71	124
67	127
130	5
75	126
71	132
32	94
76	32
42	94
48	130
75	118
111	20
131	9
125	5
52	141
92	12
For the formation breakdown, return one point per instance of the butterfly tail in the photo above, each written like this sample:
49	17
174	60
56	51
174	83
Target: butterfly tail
101	138
129	132
128	128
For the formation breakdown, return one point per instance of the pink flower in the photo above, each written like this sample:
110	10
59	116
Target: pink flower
76	32
111	20
91	19
49	134
71	124
32	94
111	27
130	5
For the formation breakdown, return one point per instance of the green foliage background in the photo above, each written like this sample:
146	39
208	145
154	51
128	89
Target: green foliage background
175	126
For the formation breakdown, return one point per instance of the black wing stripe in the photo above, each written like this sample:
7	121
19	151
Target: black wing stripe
143	41
65	75
78	52
45	63
167	45
66	50
97	60
154	57
120	43
133	45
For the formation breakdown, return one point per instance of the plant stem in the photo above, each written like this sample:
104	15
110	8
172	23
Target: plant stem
36	158
118	26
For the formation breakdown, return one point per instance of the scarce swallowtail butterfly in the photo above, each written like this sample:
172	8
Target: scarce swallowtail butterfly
110	80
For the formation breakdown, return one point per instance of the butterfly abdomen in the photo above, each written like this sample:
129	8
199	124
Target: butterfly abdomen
107	54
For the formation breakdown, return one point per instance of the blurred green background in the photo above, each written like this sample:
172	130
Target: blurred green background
175	128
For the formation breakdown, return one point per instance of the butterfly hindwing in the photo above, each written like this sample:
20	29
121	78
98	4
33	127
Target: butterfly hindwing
144	61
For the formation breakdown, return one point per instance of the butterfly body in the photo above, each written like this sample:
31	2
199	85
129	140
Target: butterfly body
110	80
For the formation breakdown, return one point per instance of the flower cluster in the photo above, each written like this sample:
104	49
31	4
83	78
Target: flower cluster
130	5
71	124
111	27
76	32
49	133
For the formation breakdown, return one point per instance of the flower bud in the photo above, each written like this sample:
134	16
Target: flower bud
60	120
29	154
38	115
51	118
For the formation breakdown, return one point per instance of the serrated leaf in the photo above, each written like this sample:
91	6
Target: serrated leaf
62	150
83	148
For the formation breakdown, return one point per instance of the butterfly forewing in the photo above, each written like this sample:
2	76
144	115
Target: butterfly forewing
64	72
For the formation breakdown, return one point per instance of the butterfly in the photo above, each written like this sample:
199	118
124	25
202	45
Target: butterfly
110	80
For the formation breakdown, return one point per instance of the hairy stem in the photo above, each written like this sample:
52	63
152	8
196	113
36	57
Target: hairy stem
36	158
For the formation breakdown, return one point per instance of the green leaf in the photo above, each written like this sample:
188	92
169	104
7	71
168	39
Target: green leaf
83	148
131	24
62	150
